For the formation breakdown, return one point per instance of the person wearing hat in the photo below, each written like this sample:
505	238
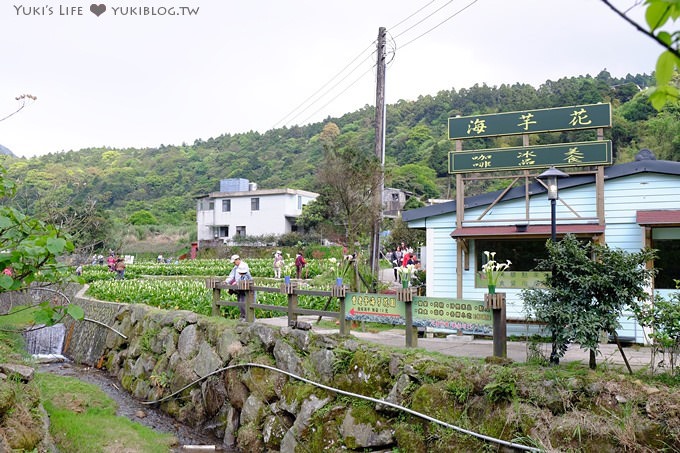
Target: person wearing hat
278	264
241	271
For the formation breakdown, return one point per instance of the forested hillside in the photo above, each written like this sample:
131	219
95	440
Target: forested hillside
122	183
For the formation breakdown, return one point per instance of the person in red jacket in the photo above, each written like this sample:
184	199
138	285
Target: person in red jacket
299	264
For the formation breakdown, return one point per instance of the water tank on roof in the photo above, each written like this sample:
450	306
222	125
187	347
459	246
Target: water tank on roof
252	186
234	185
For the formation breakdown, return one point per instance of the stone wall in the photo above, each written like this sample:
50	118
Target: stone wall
250	408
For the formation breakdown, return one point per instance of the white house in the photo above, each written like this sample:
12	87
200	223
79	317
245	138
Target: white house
627	206
223	215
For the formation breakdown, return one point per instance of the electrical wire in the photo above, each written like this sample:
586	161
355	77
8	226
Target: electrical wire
325	89
334	86
426	17
356	395
288	115
441	23
340	93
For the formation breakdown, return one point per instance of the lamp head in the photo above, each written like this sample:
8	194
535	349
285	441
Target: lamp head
550	176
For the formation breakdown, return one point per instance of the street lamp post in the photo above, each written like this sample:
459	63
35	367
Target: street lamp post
550	176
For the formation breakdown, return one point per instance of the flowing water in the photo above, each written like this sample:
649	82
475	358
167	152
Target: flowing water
46	343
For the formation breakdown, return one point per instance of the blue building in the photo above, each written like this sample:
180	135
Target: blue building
627	206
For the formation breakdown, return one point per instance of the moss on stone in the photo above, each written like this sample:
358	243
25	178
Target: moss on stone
409	438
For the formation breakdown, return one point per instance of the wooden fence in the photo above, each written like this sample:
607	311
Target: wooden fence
293	310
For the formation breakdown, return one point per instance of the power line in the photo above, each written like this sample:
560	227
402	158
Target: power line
342	92
424	18
333	87
441	23
294	113
325	89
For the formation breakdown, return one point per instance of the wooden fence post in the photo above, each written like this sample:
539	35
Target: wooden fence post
496	302
216	295
405	295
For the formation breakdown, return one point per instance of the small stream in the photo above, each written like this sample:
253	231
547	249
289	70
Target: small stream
45	344
132	409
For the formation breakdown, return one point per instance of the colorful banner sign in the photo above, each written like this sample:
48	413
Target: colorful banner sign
381	308
470	316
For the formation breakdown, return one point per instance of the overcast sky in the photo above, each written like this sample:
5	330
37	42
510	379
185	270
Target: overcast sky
224	66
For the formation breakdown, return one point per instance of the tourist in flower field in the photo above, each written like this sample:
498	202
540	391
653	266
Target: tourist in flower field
120	269
278	264
241	271
299	264
396	258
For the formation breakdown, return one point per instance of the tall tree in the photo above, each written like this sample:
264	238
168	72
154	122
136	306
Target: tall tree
351	177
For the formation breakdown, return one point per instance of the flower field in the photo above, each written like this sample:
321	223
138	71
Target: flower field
210	268
182	286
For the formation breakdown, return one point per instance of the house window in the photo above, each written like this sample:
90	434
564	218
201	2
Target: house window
240	231
226	205
223	231
299	202
211	206
395	196
523	253
254	204
667	251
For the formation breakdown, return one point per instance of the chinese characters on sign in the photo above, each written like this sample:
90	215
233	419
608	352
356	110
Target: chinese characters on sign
470	316
525	157
528	122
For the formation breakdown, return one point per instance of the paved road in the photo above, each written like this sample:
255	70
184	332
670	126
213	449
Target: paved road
467	346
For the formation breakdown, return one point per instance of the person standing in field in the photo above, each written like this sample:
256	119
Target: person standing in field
299	264
241	271
278	264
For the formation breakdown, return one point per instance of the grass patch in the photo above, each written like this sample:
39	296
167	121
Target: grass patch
83	419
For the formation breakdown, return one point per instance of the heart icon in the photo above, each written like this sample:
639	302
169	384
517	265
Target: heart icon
97	10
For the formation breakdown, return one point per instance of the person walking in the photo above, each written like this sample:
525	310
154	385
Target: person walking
241	271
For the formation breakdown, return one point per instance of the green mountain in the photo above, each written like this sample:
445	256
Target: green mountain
165	180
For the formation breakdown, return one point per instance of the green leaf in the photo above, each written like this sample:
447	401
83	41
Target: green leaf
6	281
56	245
657	14
44	316
664	68
76	312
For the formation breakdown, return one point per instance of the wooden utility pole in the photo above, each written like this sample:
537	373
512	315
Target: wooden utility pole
379	152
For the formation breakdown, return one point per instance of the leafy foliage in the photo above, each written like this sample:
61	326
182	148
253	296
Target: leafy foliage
29	250
587	291
92	193
663	319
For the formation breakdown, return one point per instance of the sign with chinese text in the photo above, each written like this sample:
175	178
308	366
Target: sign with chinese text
531	121
513	279
382	308
470	316
527	157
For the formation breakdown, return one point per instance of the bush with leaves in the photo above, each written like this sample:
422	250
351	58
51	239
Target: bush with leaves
663	318
29	250
586	291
